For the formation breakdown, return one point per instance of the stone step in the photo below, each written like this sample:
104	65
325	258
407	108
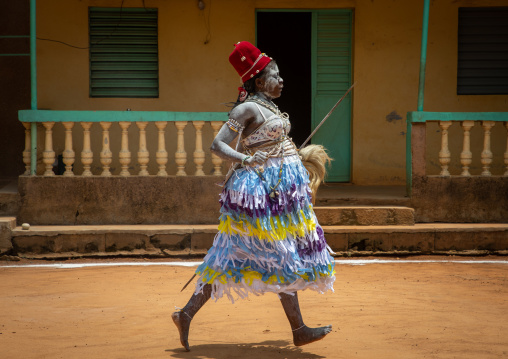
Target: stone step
194	240
338	194
7	225
365	215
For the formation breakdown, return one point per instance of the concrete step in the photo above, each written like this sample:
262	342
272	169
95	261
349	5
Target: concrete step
194	240
340	194
7	225
365	215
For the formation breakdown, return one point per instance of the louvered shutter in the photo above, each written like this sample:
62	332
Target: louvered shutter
123	52
331	72
483	51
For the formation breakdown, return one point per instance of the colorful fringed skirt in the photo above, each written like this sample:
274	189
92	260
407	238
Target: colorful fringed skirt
267	244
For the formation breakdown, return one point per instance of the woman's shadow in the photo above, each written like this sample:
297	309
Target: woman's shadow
273	349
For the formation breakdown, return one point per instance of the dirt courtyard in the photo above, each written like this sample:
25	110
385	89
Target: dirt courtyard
382	310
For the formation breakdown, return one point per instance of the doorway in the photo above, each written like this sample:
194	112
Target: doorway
313	51
286	37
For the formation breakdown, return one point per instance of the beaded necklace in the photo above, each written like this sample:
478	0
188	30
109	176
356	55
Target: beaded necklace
268	104
273	190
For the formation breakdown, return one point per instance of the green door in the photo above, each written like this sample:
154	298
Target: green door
331	77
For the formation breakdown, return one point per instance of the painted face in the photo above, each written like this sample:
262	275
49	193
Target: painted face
271	82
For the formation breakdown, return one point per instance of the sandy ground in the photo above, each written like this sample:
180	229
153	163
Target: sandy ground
398	310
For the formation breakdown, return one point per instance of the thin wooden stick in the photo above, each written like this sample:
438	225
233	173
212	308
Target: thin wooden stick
326	117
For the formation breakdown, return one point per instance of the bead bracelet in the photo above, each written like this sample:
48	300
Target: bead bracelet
245	159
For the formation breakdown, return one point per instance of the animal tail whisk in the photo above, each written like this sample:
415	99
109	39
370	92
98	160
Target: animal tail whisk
315	158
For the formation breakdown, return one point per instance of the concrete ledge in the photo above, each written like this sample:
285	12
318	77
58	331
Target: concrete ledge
194	240
364	215
422	237
119	200
460	199
7	224
112	239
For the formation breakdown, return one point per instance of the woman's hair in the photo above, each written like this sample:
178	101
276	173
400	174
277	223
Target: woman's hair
250	85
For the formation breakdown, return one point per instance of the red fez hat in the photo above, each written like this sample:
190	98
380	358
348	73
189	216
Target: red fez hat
247	60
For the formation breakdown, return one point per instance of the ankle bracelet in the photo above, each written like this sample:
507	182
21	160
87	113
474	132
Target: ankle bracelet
181	311
186	314
294	330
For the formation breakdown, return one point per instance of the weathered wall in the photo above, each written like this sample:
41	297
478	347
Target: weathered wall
118	200
460	199
195	76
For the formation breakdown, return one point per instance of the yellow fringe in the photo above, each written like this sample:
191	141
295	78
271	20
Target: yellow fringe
277	233
250	276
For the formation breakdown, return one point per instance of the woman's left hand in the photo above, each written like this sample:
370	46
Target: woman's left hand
258	158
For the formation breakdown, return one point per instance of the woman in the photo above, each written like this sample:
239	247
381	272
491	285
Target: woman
269	239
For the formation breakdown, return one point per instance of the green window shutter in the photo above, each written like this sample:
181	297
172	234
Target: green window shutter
483	51
333	52
124	57
331	73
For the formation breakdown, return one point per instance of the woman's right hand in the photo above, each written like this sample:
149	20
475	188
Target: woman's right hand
258	158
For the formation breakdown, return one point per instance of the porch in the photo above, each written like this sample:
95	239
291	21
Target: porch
121	178
128	182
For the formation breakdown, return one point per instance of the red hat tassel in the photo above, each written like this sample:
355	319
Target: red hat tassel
242	94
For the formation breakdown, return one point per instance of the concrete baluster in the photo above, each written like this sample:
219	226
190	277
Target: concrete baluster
216	160
161	155
444	154
124	154
180	154
199	154
506	153
69	156
106	154
486	153
143	154
86	154
466	156
48	155
28	148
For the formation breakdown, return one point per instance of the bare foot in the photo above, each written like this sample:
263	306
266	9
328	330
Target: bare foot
308	335
182	322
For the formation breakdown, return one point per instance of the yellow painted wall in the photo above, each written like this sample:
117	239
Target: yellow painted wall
440	92
195	76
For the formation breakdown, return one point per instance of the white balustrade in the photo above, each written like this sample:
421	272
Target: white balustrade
68	155
27	152
199	154
216	160
106	154
444	154
466	156
48	155
86	154
125	155
486	153
180	154
161	155
143	155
